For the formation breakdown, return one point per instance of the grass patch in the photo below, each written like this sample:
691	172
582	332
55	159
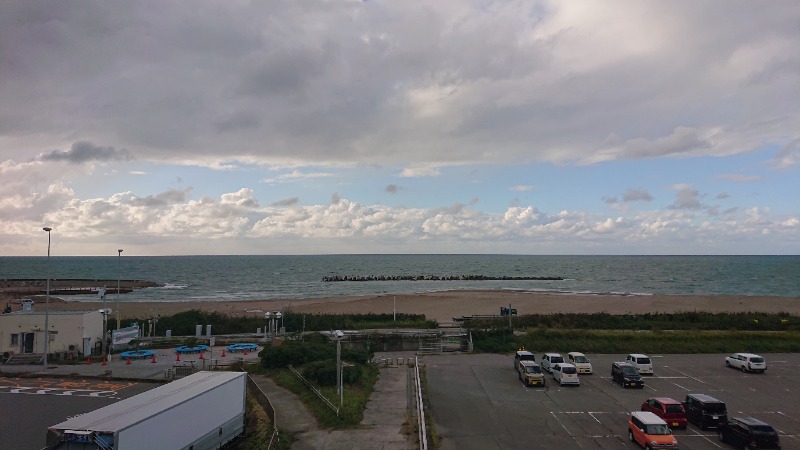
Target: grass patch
355	397
626	341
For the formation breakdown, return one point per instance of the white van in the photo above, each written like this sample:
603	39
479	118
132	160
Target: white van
549	360
580	361
641	362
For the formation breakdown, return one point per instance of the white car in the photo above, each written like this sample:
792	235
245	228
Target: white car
565	373
747	362
549	360
641	362
581	362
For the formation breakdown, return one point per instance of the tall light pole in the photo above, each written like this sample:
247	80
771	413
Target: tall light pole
47	302
339	387
119	274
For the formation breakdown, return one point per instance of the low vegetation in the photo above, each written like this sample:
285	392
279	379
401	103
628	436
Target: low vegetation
650	321
183	323
626	341
315	359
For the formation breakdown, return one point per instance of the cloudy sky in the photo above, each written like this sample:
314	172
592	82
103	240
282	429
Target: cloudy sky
310	127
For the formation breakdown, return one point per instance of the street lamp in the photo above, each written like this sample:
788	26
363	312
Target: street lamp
119	274
278	315
339	377
47	302
267	315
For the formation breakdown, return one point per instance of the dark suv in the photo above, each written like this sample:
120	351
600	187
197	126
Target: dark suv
626	375
748	432
705	411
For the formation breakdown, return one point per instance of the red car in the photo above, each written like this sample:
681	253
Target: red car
668	409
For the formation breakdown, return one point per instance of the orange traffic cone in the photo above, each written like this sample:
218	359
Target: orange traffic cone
129	361
177	356
223	352
104	361
245	352
201	355
154	358
89	361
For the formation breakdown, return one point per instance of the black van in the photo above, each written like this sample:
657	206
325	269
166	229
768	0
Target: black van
750	433
626	375
705	411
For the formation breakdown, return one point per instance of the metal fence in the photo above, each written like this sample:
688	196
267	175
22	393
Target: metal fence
266	405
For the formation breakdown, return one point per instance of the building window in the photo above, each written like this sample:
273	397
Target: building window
14	339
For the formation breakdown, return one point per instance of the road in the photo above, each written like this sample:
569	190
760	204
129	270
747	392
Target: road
477	402
29	405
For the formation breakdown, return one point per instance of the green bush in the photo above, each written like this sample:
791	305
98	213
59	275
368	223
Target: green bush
315	348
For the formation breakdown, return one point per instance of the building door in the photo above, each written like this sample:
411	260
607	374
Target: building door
27	342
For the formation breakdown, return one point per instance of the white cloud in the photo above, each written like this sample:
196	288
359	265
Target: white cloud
416	172
522	188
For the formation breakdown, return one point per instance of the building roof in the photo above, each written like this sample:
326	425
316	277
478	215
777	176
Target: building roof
52	313
128	412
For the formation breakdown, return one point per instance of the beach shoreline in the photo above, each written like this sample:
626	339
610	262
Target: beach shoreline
443	306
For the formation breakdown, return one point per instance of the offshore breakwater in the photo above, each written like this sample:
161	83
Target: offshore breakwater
334	278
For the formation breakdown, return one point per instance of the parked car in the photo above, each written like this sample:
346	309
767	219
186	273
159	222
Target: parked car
581	362
626	375
523	355
530	373
748	432
549	360
650	431
642	363
747	362
670	410
565	373
705	411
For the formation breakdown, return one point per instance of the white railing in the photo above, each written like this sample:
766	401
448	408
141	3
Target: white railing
423	435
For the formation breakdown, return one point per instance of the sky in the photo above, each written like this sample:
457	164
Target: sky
352	127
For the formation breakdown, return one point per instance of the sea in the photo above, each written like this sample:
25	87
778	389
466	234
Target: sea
232	278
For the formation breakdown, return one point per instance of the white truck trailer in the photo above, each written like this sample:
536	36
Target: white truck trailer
200	412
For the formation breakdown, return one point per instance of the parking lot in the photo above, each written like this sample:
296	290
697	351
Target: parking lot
477	402
29	405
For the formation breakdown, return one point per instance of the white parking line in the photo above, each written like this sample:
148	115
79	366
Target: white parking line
689	376
565	429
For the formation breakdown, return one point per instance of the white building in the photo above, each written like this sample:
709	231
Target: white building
70	331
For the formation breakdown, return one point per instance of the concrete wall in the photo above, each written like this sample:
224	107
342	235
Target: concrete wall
66	328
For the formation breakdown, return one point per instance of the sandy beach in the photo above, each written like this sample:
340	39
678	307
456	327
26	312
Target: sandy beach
443	306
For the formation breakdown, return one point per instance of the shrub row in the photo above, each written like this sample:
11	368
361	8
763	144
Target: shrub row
183	323
649	321
622	341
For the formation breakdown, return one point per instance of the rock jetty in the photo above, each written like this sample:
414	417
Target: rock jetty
334	278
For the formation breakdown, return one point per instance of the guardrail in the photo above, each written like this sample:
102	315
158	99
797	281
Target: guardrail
423	435
314	390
